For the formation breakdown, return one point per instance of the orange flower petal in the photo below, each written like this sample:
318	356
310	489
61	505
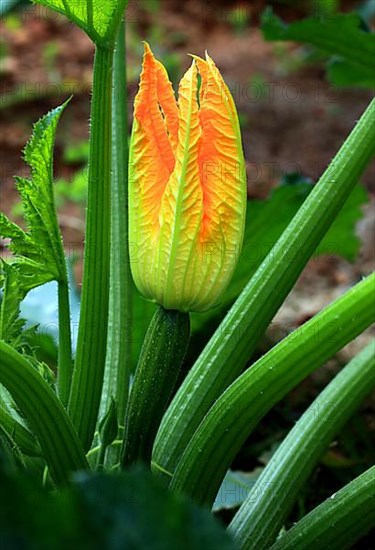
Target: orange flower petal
151	159
168	103
187	187
181	208
222	177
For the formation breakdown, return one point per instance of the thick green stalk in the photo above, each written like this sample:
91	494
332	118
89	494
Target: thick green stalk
231	419
65	360
233	343
65	356
92	336
339	521
44	412
118	360
267	506
161	357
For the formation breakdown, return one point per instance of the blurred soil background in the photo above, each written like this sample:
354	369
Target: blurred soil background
292	121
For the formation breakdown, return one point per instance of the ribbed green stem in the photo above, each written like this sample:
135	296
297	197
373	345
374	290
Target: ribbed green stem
261	516
338	522
162	354
231	419
92	336
118	360
233	343
65	360
44	412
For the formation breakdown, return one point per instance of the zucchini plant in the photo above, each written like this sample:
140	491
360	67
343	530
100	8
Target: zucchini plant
170	214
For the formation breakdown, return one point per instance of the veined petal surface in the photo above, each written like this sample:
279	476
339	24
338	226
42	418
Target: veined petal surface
187	187
182	204
151	158
223	181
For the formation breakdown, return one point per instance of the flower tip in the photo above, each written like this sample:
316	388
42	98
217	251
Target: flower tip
193	65
195	57
147	49
200	63
209	59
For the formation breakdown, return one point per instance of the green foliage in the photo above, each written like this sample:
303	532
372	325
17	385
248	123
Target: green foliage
339	521
21	436
38	251
10	324
343	74
38	254
10	455
45	414
240	407
232	345
218	404
98	18
340	35
267	506
128	510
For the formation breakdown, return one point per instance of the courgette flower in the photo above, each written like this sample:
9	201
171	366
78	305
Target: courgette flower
187	186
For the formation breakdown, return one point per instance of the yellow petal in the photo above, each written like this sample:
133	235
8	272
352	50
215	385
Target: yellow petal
223	180
151	158
181	209
187	187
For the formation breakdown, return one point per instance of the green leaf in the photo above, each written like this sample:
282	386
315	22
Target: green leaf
341	238
44	413
127	510
23	438
343	74
10	455
10	325
98	18
267	506
231	419
338	522
38	251
338	35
